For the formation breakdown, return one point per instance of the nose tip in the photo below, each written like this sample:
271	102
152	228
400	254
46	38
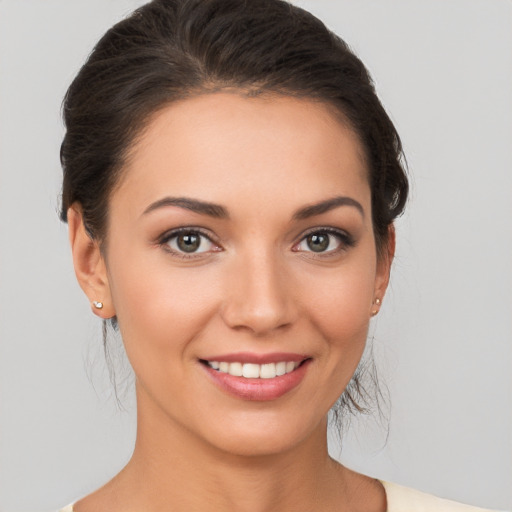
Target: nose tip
259	300
260	320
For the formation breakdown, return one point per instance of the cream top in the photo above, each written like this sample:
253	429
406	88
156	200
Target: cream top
404	499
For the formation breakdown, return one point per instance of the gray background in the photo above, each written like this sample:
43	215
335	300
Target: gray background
443	69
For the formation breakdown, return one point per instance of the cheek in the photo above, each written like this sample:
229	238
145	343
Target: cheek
341	314
340	302
159	308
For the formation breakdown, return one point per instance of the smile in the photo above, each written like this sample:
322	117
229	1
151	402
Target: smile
257	377
254	371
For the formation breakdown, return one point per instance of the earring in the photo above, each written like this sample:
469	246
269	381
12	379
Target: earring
97	305
377	302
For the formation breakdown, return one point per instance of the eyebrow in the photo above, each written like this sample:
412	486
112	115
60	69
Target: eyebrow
219	212
202	207
327	205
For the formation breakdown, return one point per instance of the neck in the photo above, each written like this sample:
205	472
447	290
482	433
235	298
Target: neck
171	468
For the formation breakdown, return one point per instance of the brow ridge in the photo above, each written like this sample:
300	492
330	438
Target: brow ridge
219	212
327	205
202	207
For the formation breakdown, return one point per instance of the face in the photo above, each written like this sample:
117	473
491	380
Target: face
242	268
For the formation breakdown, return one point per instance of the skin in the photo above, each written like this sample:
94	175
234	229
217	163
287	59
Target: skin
254	286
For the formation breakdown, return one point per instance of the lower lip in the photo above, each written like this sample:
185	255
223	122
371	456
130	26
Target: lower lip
258	389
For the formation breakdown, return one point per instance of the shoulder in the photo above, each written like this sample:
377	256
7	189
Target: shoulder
404	499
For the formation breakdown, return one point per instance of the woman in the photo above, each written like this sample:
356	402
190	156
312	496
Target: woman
230	185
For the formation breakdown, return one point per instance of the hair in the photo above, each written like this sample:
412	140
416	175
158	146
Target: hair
168	50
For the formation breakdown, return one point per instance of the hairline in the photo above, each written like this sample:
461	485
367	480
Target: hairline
253	91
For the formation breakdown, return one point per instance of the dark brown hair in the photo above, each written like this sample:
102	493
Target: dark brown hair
168	50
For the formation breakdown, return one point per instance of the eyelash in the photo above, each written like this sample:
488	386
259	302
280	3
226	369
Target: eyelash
164	240
345	240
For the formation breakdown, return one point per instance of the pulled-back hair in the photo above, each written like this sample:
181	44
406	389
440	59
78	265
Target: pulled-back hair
168	50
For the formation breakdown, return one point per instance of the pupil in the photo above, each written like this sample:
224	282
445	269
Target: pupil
189	243
318	243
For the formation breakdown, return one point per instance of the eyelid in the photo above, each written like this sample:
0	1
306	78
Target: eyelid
163	241
345	238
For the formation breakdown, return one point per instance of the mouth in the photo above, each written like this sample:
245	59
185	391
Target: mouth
254	370
257	377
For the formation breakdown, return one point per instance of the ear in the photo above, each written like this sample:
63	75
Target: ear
384	261
90	268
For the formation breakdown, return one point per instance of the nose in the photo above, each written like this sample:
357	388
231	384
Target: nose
259	298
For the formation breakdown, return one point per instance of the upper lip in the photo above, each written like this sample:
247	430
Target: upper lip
254	358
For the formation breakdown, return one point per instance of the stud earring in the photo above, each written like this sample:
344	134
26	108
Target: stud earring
377	302
97	305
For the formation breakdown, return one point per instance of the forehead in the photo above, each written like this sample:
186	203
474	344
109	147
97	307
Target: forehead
215	146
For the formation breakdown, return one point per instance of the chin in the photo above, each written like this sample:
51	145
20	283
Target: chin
261	435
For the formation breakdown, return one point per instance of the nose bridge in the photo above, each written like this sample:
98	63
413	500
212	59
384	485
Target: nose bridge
259	298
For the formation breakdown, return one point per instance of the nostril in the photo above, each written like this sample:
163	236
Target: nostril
258	322
259	299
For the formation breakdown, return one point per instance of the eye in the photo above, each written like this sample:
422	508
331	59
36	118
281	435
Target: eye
188	242
324	241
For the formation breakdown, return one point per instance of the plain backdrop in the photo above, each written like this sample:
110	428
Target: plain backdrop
443	342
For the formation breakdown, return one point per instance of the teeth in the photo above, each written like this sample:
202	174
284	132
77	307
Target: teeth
268	371
249	371
280	368
290	366
254	371
236	369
